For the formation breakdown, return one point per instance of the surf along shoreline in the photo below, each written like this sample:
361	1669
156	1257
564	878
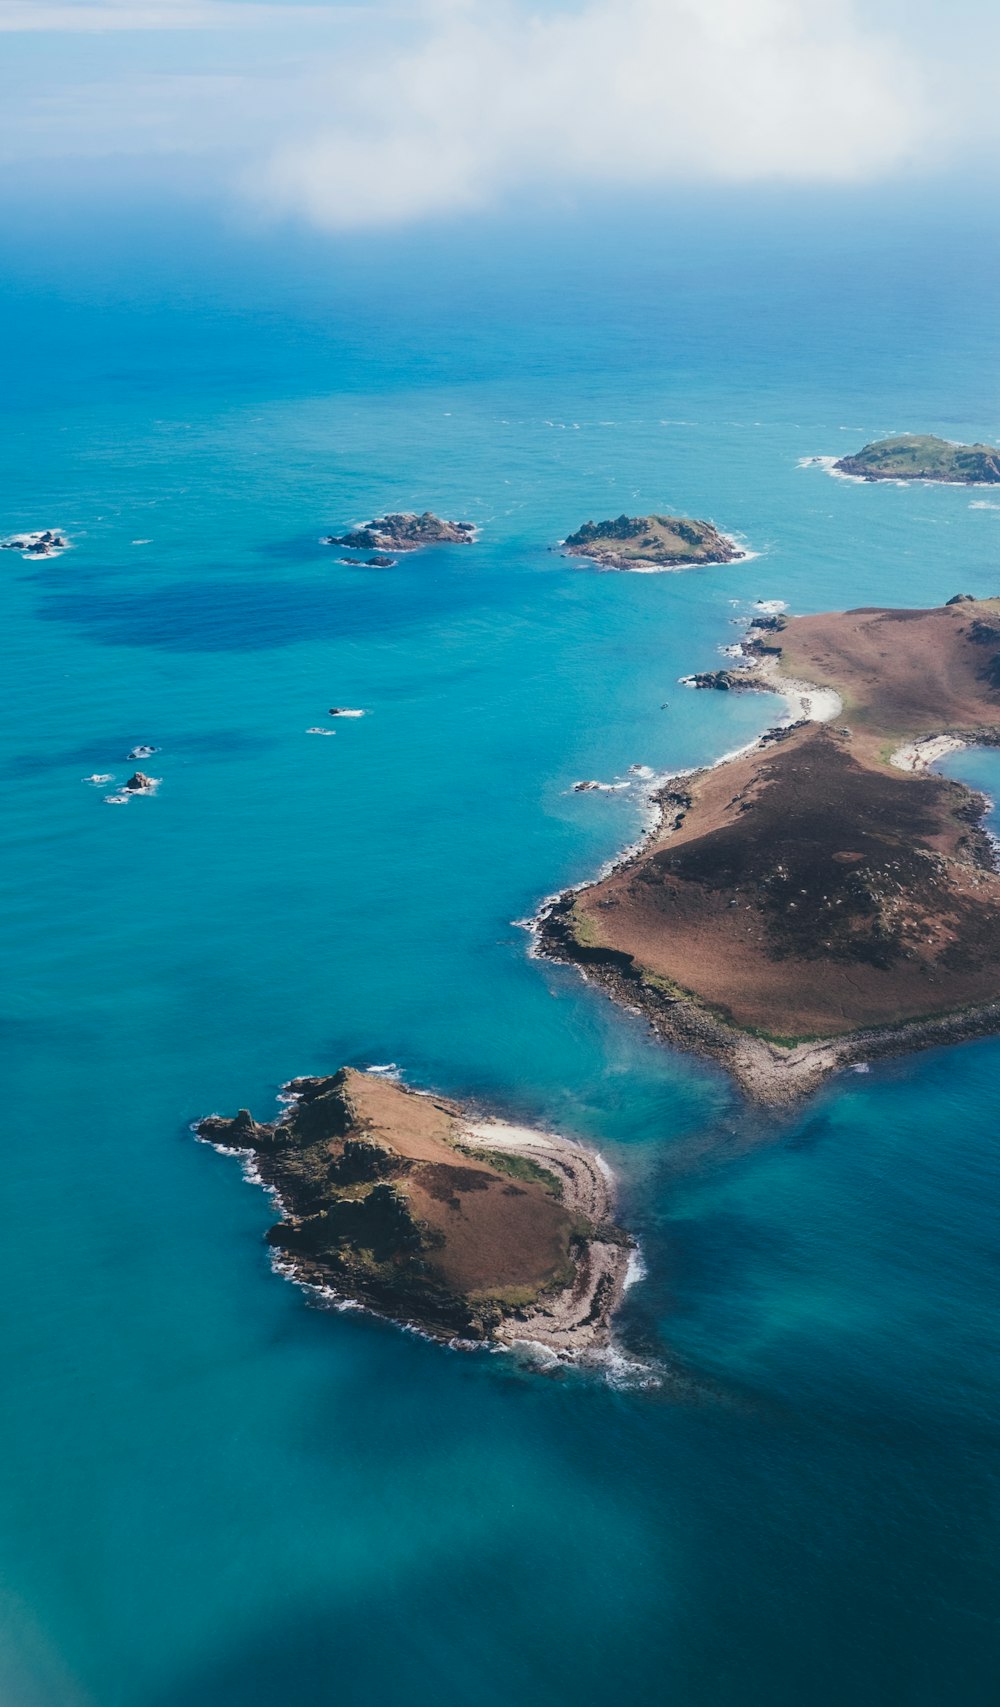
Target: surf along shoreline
891	941
440	1217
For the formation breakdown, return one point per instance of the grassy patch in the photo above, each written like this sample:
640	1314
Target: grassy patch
516	1166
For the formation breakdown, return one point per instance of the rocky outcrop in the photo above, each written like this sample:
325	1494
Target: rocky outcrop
48	543
920	456
403	532
657	542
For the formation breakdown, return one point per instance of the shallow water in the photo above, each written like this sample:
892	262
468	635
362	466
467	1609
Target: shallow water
211	1493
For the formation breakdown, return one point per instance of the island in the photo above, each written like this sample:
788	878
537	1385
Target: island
48	542
403	532
465	1227
652	542
819	899
917	456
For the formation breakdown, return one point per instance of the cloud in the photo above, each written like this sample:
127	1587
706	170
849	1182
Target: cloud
80	17
497	98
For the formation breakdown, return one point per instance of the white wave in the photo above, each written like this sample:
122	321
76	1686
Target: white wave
983	504
99	779
117	799
315	730
344	711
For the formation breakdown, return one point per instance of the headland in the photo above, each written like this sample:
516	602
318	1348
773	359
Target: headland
652	542
465	1227
818	899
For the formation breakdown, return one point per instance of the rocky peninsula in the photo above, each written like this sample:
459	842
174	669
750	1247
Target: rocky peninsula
918	456
652	542
818	899
403	532
467	1228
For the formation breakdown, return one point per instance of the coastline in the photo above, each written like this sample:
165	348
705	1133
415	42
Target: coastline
569	1323
769	1071
829	466
629	566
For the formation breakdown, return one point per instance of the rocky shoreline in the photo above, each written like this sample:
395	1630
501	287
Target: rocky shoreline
647	543
766	1072
922	457
402	531
934	919
472	1230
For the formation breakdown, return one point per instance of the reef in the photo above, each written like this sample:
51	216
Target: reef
918	456
47	543
467	1228
402	532
818	899
653	542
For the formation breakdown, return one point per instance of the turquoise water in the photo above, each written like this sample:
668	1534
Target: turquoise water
209	1492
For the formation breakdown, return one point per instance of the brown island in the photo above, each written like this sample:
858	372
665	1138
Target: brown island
652	542
404	532
818	900
467	1228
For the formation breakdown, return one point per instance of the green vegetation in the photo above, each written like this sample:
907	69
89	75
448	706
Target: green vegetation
584	930
917	456
516	1166
661	541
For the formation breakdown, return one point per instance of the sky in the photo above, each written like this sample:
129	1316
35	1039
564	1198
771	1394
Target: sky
366	117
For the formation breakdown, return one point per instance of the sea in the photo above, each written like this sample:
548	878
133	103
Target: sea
214	1493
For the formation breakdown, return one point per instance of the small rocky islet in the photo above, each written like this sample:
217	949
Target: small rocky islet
48	542
410	1205
401	531
921	456
652	542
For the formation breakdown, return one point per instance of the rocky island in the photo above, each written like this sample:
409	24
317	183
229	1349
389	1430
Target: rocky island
49	542
403	532
818	900
651	542
917	456
466	1228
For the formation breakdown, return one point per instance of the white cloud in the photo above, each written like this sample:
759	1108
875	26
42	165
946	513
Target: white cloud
23	17
498	97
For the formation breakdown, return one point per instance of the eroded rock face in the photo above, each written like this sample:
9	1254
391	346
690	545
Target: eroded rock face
404	532
140	783
389	1199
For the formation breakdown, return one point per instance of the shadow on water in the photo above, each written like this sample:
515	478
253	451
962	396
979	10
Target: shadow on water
221	744
249	615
